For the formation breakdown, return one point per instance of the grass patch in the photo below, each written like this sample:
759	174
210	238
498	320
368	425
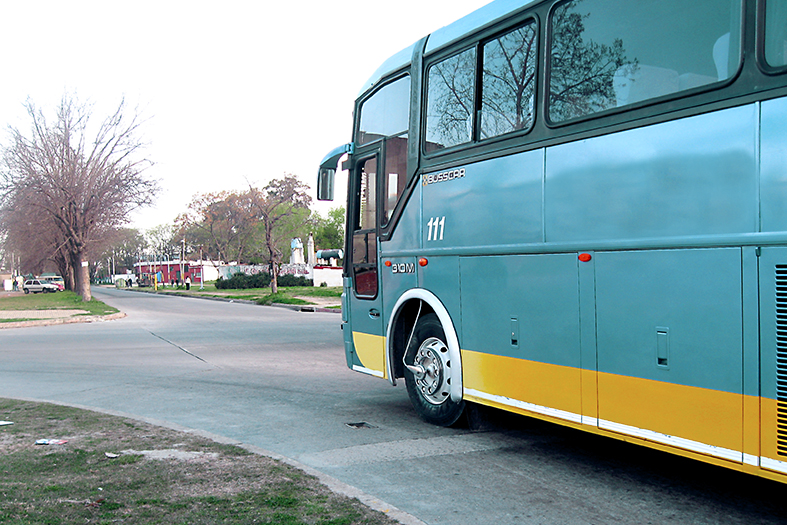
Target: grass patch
281	298
77	482
315	291
55	301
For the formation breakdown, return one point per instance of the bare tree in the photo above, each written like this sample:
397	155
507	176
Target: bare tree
280	199
82	181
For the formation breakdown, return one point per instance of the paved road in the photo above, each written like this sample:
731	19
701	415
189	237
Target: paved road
276	379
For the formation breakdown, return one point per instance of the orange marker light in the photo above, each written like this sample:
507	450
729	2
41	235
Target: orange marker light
584	257
388	263
423	261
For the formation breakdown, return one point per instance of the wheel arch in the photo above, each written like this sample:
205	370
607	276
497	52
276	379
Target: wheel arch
401	323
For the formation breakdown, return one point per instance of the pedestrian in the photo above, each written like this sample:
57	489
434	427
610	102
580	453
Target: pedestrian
188	282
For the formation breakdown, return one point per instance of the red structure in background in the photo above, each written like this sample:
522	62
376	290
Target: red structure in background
169	272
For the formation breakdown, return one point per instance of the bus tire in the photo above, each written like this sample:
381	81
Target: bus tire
428	386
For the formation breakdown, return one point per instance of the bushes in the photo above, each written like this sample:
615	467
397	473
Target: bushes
260	280
294	280
241	281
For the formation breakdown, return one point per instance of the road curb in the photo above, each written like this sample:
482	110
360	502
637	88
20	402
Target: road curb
295	307
336	486
64	320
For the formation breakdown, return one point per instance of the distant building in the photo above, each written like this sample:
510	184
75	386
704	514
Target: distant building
170	271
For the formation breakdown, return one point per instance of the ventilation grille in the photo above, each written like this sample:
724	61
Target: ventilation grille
781	359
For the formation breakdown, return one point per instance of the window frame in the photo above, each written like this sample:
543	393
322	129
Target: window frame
355	220
425	100
762	61
370	95
385	223
477	43
531	19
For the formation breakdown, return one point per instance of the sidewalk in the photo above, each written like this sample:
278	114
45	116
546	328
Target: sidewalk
39	314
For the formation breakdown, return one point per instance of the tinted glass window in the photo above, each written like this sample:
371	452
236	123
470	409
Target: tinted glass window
395	174
612	53
386	113
508	82
368	194
776	32
450	106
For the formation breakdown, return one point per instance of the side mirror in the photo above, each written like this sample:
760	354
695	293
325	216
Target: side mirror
327	172
325	184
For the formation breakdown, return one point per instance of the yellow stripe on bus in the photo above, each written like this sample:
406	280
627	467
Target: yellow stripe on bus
702	420
701	415
542	384
370	350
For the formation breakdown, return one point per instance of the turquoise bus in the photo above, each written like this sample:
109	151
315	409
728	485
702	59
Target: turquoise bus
576	210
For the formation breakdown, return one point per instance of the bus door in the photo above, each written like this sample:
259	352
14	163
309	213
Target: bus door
365	297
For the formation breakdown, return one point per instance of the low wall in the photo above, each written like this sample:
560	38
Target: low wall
332	276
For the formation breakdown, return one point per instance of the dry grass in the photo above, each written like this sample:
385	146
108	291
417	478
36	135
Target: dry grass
82	482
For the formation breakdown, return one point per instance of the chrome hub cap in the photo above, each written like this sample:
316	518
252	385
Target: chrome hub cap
430	366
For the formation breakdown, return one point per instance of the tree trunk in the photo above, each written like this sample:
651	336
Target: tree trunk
69	278
81	275
84	278
274	277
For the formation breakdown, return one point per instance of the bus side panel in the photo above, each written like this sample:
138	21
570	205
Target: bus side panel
773	358
694	176
520	336
407	232
440	277
670	347
773	288
495	202
773	190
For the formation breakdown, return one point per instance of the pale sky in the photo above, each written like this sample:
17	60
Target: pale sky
233	91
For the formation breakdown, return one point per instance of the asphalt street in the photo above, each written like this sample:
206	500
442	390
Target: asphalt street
276	379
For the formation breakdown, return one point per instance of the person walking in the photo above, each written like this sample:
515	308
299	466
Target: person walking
188	282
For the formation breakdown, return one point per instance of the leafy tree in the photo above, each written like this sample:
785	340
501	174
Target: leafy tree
161	243
329	232
225	223
125	247
295	223
280	199
249	226
77	181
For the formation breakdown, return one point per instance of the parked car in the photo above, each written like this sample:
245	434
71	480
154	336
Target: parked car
57	281
39	285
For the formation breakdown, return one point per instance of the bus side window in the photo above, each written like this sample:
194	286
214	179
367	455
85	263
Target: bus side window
776	33
385	113
395	174
606	54
450	101
509	82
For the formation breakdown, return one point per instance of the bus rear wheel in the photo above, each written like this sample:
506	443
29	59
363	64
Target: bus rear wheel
428	374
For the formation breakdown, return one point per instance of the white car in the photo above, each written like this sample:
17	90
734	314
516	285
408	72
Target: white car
39	285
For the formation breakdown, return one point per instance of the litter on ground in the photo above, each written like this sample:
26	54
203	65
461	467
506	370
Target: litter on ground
51	442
